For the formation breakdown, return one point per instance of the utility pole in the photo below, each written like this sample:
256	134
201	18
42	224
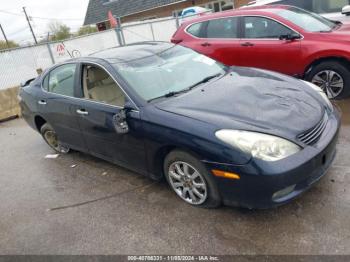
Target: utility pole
30	26
7	42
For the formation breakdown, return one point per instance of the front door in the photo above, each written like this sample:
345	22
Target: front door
103	100
264	45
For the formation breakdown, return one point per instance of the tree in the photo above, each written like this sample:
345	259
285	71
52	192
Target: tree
59	31
11	44
85	30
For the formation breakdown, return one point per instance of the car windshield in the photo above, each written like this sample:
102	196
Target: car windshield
308	21
174	70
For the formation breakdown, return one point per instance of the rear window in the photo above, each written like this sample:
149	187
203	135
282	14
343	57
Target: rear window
195	29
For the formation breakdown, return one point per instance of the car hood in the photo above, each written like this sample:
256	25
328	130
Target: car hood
251	99
342	33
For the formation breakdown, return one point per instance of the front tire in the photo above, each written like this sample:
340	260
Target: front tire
333	77
190	180
51	138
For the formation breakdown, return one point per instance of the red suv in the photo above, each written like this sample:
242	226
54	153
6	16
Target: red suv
281	38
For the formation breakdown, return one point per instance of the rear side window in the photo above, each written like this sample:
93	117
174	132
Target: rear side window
195	29
222	28
61	80
264	28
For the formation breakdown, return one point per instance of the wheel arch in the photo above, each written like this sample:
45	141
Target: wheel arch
319	60
161	154
39	122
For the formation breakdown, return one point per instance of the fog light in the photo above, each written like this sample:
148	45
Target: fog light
283	192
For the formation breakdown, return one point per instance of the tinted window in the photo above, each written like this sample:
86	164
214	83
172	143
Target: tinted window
222	28
61	80
261	27
99	86
195	29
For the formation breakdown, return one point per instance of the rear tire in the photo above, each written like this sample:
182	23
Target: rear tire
333	77
190	180
51	138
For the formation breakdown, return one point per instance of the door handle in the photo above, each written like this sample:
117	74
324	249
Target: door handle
42	102
82	112
206	44
247	44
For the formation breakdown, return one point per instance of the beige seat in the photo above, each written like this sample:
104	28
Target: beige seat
103	88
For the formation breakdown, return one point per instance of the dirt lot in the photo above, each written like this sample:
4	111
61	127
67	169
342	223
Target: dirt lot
49	207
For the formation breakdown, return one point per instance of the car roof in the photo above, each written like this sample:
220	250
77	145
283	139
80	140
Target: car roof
131	52
247	10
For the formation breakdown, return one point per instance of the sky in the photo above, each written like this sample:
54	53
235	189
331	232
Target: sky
42	12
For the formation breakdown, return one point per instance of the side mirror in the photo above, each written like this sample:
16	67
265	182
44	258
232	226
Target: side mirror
120	123
346	10
290	37
25	83
120	119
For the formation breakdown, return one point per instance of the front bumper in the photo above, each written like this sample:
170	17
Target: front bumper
260	180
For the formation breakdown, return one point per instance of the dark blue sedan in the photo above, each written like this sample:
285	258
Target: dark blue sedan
238	136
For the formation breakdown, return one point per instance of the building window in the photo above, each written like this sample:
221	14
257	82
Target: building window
218	6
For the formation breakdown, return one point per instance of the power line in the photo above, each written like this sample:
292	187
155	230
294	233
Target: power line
39	17
10	13
68	19
18	31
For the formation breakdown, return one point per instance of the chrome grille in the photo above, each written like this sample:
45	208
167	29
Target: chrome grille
311	137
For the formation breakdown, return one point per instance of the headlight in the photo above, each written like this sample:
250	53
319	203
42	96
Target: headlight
261	146
320	91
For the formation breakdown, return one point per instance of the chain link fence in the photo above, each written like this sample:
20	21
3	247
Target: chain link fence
20	64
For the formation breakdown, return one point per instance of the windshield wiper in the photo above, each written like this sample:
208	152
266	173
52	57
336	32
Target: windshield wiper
170	94
173	93
204	80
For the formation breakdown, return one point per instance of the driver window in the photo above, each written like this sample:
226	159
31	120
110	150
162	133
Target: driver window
264	28
99	86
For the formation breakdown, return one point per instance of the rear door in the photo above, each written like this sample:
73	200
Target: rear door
102	100
262	47
57	104
217	38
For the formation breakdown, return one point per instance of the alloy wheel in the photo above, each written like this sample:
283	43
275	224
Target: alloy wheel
188	183
330	81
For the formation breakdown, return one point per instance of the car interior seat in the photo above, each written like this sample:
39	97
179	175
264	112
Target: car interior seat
102	88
